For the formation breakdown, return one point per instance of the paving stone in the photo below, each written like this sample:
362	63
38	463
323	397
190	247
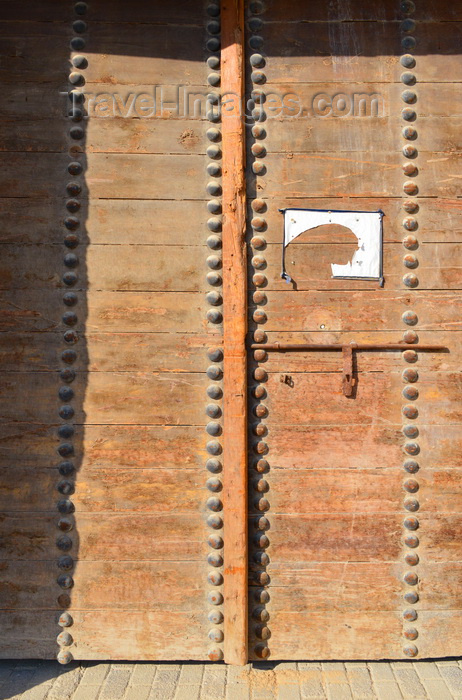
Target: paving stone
65	684
213	683
427	670
332	666
237	691
94	673
338	691
286	666
308	665
288	691
18	682
37	692
137	692
115	684
381	671
388	690
239	674
311	685
188	692
437	689
360	682
452	674
87	692
191	673
143	674
409	683
163	691
334	673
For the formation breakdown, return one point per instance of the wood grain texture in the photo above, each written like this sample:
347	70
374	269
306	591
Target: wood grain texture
234	337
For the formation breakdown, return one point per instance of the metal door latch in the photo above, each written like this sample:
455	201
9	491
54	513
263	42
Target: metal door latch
348	351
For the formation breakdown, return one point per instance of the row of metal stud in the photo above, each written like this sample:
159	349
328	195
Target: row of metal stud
214	354
66	467
259	465
409	317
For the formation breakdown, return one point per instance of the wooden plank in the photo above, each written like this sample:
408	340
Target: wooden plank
104	312
443	217
117	176
153	585
120	267
114	537
148	221
127	634
108	397
105	447
368	310
53	10
234	337
317	11
112	490
383	446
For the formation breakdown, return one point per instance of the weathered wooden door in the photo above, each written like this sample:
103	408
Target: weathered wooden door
355	502
123	446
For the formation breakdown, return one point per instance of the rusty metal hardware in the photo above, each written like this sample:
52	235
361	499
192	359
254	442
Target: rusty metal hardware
347	350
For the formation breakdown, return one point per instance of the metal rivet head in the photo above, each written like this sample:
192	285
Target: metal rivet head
259	205
213	151
214	169
214	206
215	522
66	563
411	523
214	391
410	206
262	523
260	375
214	578
214	466
261	448
65	581
411	578
410	614
213	63
259	280
215	354
66	449
258	262
262	504
410	633
259	316
213	410
409	96
73	189
411	504
412	558
257	60
262	596
71	223
66	468
407	7
410	337
76	133
214	503
262	466
261	485
69	318
214	189
64	543
409	133
261	541
77	43
411	597
66	431
213	10
258	242
261	651
258	77
215	541
215	635
65	620
65	393
215	654
258	131
410	411
65	506
214	262
261	411
80	8
79	26
409	151
408	61
261	558
74	168
214	279
213	44
213	428
408	78
259	297
214	448
214	316
410	187
409	169
411	541
215	598
214	79
260	355
214	484
258	223
255	24
408	43
261	614
410	650
76	78
69	356
65	524
410	242
410	375
64	639
259	392
410	261
258	168
214	372
410	280
213	27
260	336
410	392
215	559
64	657
411	431
410	318
214	224
410	223
80	62
256	42
214	242
65	487
409	114
412	448
215	616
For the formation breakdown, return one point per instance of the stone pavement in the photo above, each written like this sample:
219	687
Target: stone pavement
46	680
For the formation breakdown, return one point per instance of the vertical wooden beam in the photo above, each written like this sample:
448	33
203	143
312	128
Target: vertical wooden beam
235	330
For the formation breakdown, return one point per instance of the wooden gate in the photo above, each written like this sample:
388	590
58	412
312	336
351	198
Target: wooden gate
139	339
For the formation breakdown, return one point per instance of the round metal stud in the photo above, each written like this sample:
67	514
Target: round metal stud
214	484
69	318
213	44
65	563
258	223
79	26
410	336
262	523
407	7
214	242
74	168
258	242
261	485
262	596
70	298
66	449
214	279
214	262
410	392
262	504
66	468
214	316
409	96
409	151
410	411
214	578
260	355
64	657
64	543
216	635
409	133
215	559
411	597
215	541
260	614
76	78
259	297
408	61
412	559
262	632
214	448
410	375
216	617
65	620
410	650
408	25
213	27
411	523
66	431
215	522
409	169
258	77
408	43
214	466
411	504
410	431
257	60
408	78
259	316
409	114
260	375
65	393
259	205
214	206
215	598
213	10
258	132
410	280
410	318
215	354
410	187
410	261
260	336
259	280
411	578
261	448
261	651
71	240
410	614
411	541
256	42
261	411
69	356
213	79
410	633
214	189
214	372
410	223
412	448
214	151
65	581
213	410
261	541
259	392
214	503
66	412
213	428
258	262
214	169
77	43
261	558
65	524
258	168
73	189
65	487
214	391
65	506
67	375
